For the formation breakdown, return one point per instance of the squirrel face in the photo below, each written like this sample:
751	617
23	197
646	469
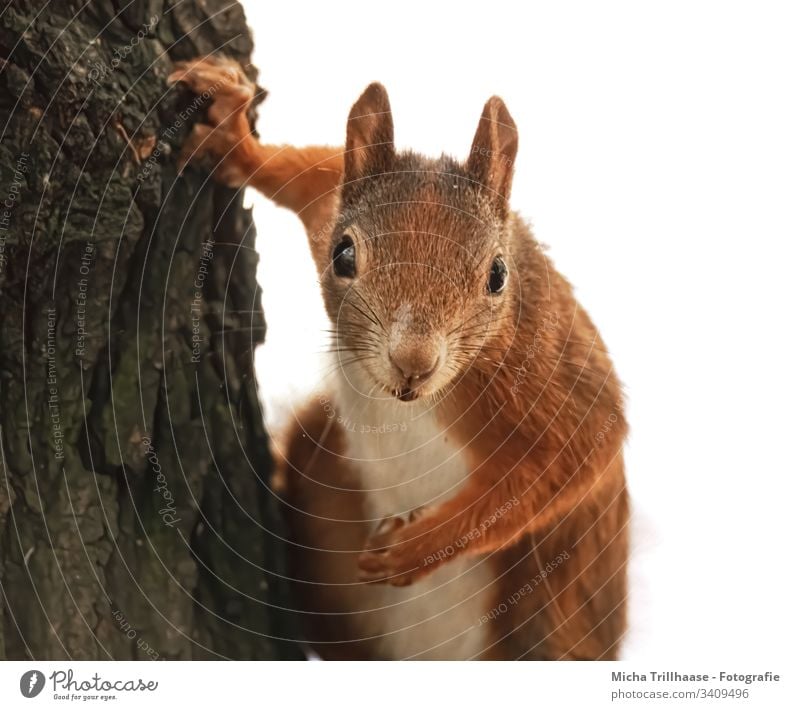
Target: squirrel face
420	276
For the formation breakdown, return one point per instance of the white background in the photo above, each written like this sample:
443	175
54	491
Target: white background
660	160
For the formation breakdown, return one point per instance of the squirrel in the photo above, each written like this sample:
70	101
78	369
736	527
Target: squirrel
459	492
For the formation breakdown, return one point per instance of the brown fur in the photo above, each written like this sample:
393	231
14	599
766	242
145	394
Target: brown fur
528	390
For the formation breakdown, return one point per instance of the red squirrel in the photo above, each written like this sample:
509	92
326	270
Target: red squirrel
459	493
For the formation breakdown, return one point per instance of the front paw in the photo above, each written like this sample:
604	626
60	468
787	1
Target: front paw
223	88
216	79
391	555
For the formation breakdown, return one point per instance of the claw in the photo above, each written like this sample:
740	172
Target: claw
417	513
388	525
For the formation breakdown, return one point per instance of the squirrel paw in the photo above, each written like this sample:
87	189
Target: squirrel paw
219	78
390	555
221	81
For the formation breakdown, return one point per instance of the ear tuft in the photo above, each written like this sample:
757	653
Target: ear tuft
494	148
370	134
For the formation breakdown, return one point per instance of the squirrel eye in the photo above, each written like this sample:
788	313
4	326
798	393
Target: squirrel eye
344	258
498	275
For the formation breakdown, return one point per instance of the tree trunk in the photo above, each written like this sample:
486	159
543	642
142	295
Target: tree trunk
136	520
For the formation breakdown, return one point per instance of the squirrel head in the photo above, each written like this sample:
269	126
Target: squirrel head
420	277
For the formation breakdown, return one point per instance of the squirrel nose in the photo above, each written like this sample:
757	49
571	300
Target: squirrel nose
416	363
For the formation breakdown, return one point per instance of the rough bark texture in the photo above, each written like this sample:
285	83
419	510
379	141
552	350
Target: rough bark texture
135	517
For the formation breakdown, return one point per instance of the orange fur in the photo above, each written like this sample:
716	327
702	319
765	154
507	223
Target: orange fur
528	394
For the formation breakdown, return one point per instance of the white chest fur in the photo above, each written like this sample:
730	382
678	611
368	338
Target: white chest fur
405	462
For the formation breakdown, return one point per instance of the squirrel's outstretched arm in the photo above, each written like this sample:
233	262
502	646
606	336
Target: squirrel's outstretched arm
490	513
301	179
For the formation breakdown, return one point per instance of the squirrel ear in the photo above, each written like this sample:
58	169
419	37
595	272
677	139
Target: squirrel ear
370	134
491	160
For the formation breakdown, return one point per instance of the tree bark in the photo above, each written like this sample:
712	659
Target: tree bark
136	520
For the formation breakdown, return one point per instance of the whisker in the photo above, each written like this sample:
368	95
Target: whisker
377	320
